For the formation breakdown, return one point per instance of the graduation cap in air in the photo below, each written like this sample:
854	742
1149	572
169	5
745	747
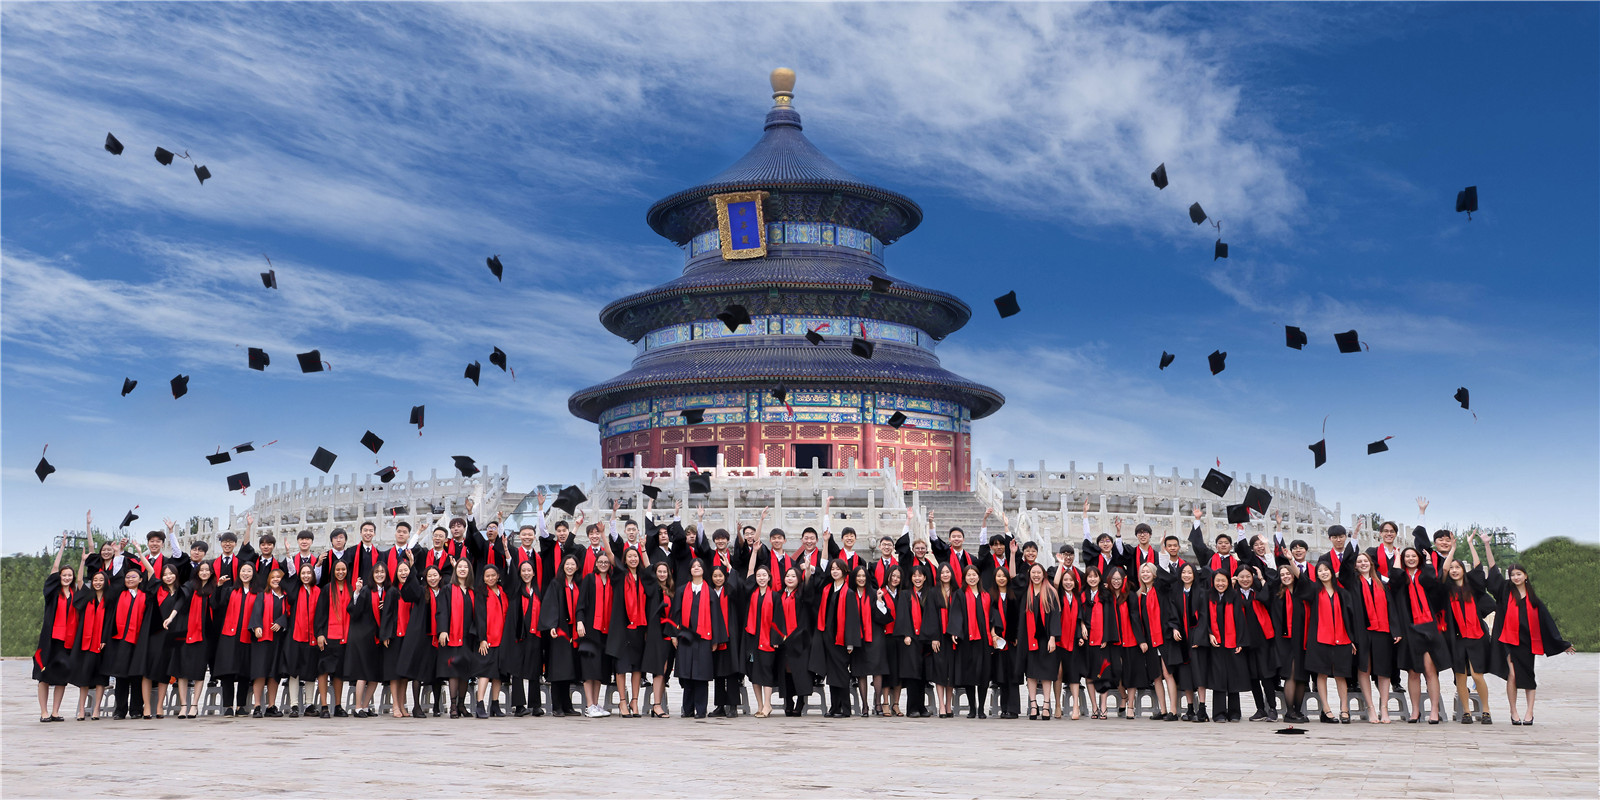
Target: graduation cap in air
219	457
1167	359
1221	250
692	416
1159	177
1217	483
897	420
1294	337
1466	200
1006	304
180	386
371	441
472	372
164	156
496	267
202	173
814	337
416	418
113	146
269	279
1380	446
1238	514
1320	453
395	511
310	362
1349	341
652	492
568	499
1462	396
129	383
733	316
879	284
1218	360
861	347
259	360
498	358
1258	500
699	483
465	466
44	469
128	519
1197	214
780	394
322	459
247	447
386	474
239	483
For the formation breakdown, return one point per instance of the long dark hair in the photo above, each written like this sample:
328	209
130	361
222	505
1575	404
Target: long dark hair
1527	582
206	586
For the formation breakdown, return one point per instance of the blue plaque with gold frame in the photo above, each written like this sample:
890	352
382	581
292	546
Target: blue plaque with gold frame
741	224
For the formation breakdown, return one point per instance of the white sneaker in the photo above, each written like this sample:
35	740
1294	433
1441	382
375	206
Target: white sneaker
591	712
603	711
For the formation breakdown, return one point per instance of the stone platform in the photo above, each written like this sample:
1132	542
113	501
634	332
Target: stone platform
812	757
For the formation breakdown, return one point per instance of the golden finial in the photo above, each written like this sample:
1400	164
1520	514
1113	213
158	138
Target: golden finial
782	86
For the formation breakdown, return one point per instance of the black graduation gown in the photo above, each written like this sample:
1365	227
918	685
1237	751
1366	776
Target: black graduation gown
1227	670
1261	655
729	657
1375	649
912	654
330	658
189	659
1327	658
624	644
835	637
1424	637
1004	614
1289	627
301	658
161	650
659	633
1034	655
1516	644
972	645
391	633
456	660
1466	635
52	658
502	655
363	653
594	663
268	657
419	647
1185	660
557	617
84	667
122	658
794	649
759	608
1103	658
695	648
878	654
527	662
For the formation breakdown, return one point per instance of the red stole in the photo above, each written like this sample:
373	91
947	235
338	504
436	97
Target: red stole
570	593
1227	635
1511	633
864	610
759	622
436	558
94	624
888	603
402	614
1097	624
1376	601
1125	634
1226	564
305	604
916	613
702	616
976	632
1263	618
195	630
65	627
1068	639
1152	618
1421	612
602	605
1330	619
633	600
1142	557
495	601
269	603
530	609
880	571
589	556
460	600
1467	622
1333	558
789	618
339	612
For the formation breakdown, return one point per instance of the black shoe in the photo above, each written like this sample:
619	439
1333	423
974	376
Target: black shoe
257	713
1327	718
1466	719
973	714
1221	718
1234	718
982	715
311	710
494	709
455	711
481	712
324	713
1433	722
416	711
1272	715
1485	719
537	711
1258	716
1188	714
273	711
519	711
338	711
556	712
1514	721
1200	714
700	715
294	712
226	712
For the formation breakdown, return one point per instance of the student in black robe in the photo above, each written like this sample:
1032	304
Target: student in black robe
1524	629
838	633
84	672
1377	631
394	614
494	619
155	653
1289	637
972	633
629	622
332	624
727	658
1071	654
1421	597
1183	659
1261	651
1102	645
940	668
1468	638
699	632
57	632
130	630
596	599
1222	630
1330	651
864	662
761	639
420	646
1147	606
792	621
363	654
1038	645
660	635
189	653
1131	675
884	655
559	618
1004	672
300	654
526	667
458	635
269	626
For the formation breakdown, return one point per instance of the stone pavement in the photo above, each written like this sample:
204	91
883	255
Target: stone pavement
812	757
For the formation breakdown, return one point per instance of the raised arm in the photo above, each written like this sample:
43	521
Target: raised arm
1488	549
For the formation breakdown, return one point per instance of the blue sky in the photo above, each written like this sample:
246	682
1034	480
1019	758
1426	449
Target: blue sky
379	152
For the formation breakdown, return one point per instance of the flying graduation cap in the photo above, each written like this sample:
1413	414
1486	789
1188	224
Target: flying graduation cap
310	362
861	347
1467	200
1257	499
569	499
652	492
465	466
1217	482
1462	396
322	459
416	418
180	386
814	337
1238	514
699	483
495	266
202	173
1380	446
1159	177
164	156
473	370
129	383
692	416
1218	361
371	441
1167	359
733	316
269	279
498	358
259	360
128	519
897	420
239	483
1197	214
1349	341
386	474
780	394
113	146
247	447
1007	304
1319	451
1221	250
879	284
219	457
1294	337
44	469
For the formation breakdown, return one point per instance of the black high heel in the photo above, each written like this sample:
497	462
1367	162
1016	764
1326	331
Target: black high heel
655	714
1033	709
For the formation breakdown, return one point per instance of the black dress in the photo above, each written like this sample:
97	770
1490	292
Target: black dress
916	625
454	619
495	621
418	648
85	670
1186	660
52	659
1222	616
1523	628
267	653
129	629
630	619
794	644
332	623
972	633
300	654
939	666
1421	600
1004	613
557	617
700	630
527	650
1469	641
1377	625
1037	626
1289	625
394	625
1102	639
761	638
363	653
1329	622
596	601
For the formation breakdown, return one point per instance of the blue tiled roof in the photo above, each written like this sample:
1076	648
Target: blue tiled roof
721	364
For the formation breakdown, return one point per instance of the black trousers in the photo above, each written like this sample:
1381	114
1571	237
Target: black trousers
1010	699
916	696
1232	707
695	695
1265	693
525	693
840	700
561	696
232	692
126	690
794	695
726	693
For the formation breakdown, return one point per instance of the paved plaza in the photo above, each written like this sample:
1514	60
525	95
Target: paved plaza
811	757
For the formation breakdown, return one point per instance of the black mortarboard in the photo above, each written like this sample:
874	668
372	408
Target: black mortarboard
219	458
496	267
180	386
472	372
416	416
1380	446
269	279
129	383
44	469
310	362
202	173
465	466
897	420
114	147
128	519
322	459
371	441
733	316
1257	499
1221	250
1197	214
780	394
1239	514
861	347
879	284
1294	337
652	492
692	416
1007	304
498	358
238	483
1462	396
395	511
1349	341
247	447
1467	200
259	360
164	156
1320	451
699	483
1217	483
1167	359
1218	360
813	337
1291	731
568	499
386	474
1159	177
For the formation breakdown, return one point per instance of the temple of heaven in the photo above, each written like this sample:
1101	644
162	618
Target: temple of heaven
797	243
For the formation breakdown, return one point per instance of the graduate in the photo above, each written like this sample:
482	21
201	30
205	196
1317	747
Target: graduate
494	618
1468	639
869	658
1149	613
629	622
89	638
1039	628
300	654
838	633
1421	598
130	629
972	635
883	656
596	598
916	629
559	618
1133	674
192	626
761	638
1222	559
1070	652
232	604
940	669
332	624
699	631
394	623
660	635
1005	674
525	667
154	655
58	631
458	636
1222	630
1103	651
1330	653
1289	623
727	657
269	619
1185	662
418	660
1524	629
1261	652
1377	632
363	653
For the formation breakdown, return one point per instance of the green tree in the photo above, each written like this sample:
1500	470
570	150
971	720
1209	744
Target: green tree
1562	572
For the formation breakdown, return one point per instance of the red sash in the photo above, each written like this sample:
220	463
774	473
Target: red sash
702	627
305	605
1227	635
864	610
268	606
65	627
459	601
1510	632
1068	639
94	626
1097	624
633	600
759	622
888	603
789	619
1330	619
1376	600
1467	622
495	602
530	610
1152	618
1421	612
602	605
339	613
976	633
195	631
916	613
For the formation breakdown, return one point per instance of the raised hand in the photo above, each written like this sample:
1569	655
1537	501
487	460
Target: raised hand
469	506
1199	513
1422	505
1086	509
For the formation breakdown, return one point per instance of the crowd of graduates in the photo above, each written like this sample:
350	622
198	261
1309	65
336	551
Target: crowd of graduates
477	623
